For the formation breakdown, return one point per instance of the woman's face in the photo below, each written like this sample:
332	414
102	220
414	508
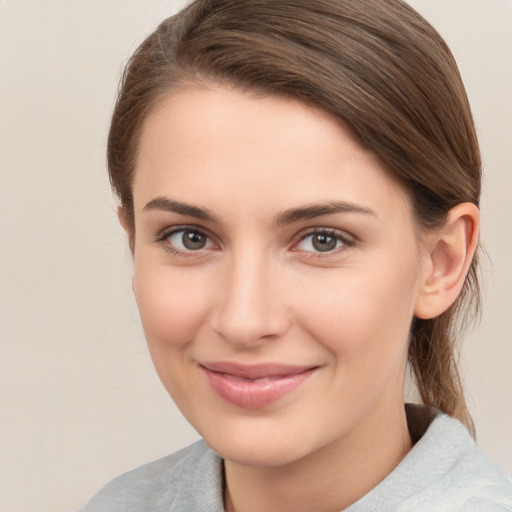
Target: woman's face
277	268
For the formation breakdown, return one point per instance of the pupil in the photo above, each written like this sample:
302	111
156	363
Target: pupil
324	243
192	240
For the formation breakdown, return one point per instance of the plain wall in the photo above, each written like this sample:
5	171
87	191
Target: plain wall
79	399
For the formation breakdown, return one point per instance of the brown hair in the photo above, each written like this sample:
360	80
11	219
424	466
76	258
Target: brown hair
378	66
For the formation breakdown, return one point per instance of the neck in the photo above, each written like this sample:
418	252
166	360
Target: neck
332	478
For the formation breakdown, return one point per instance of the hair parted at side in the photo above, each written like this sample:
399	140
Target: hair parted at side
375	64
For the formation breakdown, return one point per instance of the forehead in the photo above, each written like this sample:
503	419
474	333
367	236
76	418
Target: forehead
206	142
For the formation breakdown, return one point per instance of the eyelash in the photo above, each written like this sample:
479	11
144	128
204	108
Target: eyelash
163	237
346	240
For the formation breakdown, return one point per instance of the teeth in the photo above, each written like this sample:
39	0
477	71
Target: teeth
246	379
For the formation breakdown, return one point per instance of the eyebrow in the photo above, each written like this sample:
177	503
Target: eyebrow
169	205
289	216
312	211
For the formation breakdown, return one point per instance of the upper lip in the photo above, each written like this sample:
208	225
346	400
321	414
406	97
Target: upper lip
255	371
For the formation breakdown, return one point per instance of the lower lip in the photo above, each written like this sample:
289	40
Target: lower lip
254	394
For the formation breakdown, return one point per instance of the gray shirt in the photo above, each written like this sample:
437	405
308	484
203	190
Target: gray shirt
444	471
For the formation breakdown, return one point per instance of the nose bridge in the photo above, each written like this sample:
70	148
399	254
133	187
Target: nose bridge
250	310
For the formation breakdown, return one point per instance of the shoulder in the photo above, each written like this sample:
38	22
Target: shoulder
462	474
449	472
185	480
444	471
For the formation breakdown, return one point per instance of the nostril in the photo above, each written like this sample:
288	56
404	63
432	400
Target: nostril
249	310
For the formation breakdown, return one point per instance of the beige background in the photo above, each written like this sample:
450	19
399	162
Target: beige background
79	400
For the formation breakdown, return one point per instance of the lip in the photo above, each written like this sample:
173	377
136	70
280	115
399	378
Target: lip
254	386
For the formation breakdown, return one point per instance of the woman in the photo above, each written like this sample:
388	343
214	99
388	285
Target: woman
299	182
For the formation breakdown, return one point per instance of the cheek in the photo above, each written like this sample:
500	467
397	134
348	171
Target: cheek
361	315
363	326
172	306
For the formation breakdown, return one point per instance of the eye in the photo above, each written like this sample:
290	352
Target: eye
186	240
322	241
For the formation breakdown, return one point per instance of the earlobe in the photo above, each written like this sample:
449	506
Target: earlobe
449	257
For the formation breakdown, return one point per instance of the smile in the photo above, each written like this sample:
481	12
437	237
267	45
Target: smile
254	387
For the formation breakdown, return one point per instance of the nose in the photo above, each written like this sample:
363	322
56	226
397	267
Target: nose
252	308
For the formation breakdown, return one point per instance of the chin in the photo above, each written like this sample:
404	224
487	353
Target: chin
258	443
256	454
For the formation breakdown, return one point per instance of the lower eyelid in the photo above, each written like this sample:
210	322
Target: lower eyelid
163	239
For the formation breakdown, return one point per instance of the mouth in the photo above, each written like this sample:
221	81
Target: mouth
254	386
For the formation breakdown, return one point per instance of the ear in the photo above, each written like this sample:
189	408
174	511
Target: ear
126	222
123	218
449	255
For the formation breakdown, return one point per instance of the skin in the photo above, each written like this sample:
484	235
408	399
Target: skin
259	291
